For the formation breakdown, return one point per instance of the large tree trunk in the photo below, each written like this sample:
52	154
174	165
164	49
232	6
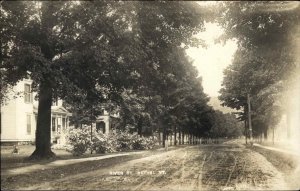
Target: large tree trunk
43	127
139	127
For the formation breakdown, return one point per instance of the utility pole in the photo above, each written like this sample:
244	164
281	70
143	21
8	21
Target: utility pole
249	118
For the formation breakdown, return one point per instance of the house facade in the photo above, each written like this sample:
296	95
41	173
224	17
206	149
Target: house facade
19	116
106	122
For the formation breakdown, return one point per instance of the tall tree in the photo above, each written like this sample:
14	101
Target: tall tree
70	51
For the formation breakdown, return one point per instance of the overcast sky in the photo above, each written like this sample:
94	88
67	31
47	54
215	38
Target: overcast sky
212	60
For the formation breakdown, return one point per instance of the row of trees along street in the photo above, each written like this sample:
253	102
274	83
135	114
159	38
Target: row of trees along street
265	66
130	57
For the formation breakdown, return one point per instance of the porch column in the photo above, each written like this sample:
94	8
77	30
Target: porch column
107	126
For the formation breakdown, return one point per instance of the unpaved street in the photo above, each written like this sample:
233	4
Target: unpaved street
206	167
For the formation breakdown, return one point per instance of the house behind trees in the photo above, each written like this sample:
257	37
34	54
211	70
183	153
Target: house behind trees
19	116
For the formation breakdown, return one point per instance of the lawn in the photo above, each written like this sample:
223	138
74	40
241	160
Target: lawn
11	161
288	164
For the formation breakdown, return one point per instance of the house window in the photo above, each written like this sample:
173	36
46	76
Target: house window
27	93
100	126
28	119
53	123
102	112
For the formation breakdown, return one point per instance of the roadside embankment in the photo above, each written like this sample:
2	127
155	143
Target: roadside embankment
285	161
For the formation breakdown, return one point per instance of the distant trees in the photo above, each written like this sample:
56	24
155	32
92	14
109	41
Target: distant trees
226	125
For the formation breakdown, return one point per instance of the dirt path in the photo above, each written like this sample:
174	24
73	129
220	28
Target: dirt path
210	167
58	163
286	151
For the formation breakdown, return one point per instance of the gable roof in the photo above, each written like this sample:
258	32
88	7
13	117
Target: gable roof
55	110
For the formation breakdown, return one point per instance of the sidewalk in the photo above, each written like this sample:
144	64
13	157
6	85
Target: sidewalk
58	163
274	148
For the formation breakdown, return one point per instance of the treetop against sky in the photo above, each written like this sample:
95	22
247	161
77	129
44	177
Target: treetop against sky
213	59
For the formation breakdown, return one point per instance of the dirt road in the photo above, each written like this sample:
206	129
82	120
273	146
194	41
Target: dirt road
206	167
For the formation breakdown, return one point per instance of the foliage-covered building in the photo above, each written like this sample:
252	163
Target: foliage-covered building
104	123
19	115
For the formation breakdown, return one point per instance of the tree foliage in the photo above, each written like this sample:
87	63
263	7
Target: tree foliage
265	62
88	53
226	125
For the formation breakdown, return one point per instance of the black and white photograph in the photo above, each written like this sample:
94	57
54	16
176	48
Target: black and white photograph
150	95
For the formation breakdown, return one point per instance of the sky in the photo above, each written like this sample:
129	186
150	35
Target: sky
212	60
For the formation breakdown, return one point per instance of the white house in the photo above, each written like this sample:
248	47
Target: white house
19	116
105	122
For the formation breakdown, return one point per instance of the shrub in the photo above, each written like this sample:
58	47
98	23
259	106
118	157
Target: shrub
123	140
102	143
143	143
151	142
79	149
139	144
80	140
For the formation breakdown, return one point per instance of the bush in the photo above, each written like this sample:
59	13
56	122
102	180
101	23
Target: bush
128	141
79	149
139	144
143	143
103	144
123	140
80	140
151	142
